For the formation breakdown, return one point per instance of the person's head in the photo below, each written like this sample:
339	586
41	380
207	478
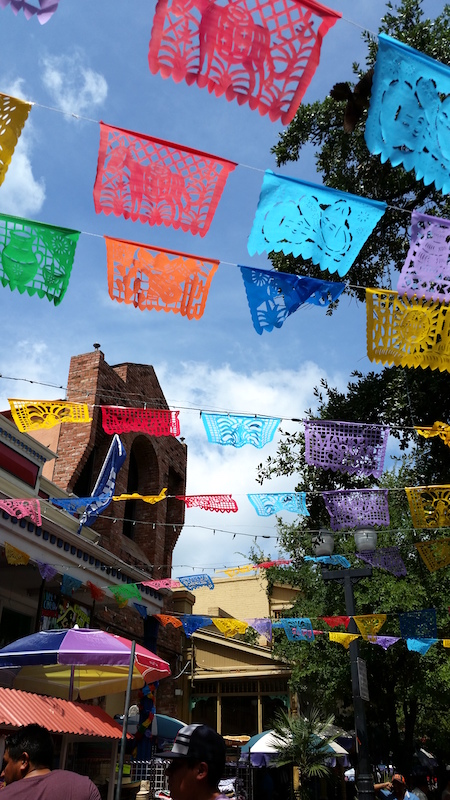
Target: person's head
28	748
197	762
398	785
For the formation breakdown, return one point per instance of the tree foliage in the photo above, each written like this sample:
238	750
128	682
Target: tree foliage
344	162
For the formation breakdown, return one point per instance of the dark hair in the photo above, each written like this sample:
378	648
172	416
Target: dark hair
34	740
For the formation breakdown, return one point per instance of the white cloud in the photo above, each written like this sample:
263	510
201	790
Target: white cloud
21	193
34	361
75	88
218	469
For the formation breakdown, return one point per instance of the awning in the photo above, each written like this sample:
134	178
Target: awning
59	716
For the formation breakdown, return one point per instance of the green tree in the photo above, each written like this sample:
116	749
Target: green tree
304	740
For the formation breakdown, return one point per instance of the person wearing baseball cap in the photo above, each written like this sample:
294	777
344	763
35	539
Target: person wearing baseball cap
196	763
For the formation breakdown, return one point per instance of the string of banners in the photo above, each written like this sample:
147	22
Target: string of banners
417	628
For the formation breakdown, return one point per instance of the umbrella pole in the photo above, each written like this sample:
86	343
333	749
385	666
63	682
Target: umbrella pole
125	721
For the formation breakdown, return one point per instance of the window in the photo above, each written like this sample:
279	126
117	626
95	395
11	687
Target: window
18	465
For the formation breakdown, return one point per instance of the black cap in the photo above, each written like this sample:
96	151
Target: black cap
199	742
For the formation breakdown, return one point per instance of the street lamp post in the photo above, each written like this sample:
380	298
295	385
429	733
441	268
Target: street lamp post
348	577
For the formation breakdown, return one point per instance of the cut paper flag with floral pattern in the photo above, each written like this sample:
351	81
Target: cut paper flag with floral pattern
30	415
46	571
233	571
303	219
42	9
426	271
418	624
387	558
210	502
154	421
420	645
230	627
146	498
369	624
254	51
429	506
273	296
440	429
14	556
267	504
168	619
154	181
277	563
162	583
351	507
409	115
153	279
296	628
333	622
236	430
196	581
103	490
19	509
124	593
36	258
261	626
435	554
192	622
348	447
384	641
407	333
13	115
334	561
97	592
343	638
69	585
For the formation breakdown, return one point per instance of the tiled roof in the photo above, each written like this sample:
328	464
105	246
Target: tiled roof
59	716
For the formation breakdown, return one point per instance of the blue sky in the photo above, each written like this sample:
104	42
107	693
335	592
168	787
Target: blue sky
90	60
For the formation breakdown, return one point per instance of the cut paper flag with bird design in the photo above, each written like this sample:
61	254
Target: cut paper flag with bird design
267	504
168	619
146	498
429	506
19	509
196	581
296	628
154	181
273	296
407	332
230	627
154	421
255	51
370	624
36	258
348	447
14	556
237	430
351	507
426	271
304	219
153	279
42	9
209	502
435	554
13	116
409	113
441	429
30	415
387	558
